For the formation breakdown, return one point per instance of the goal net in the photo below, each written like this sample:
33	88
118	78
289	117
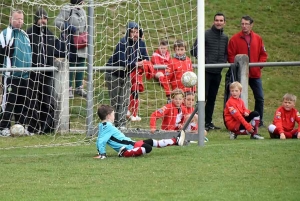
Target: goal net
159	19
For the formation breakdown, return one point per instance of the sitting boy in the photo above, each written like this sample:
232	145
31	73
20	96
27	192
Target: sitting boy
237	117
172	114
284	119
109	134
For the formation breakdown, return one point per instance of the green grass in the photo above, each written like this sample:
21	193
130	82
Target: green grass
242	169
60	167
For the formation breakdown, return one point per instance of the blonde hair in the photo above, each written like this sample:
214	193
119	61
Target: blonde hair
19	11
289	97
177	92
236	84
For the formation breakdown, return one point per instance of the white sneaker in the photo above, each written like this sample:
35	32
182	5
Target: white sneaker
128	114
5	132
137	118
71	95
180	138
232	135
257	137
28	133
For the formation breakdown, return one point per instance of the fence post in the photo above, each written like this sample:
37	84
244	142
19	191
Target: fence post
61	86
243	62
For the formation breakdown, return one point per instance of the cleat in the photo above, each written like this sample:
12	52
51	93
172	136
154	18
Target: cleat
26	132
211	126
81	92
5	132
121	151
257	137
232	136
180	138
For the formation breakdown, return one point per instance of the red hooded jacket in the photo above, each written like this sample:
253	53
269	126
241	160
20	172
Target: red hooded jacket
255	50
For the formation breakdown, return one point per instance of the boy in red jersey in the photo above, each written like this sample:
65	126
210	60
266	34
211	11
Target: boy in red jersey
162	57
172	114
178	66
284	119
137	86
238	119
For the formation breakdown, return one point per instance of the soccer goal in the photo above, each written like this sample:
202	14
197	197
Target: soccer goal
159	19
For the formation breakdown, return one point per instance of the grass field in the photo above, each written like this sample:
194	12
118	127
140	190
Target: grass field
56	167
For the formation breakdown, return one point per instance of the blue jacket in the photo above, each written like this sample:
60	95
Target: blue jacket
109	134
17	48
128	52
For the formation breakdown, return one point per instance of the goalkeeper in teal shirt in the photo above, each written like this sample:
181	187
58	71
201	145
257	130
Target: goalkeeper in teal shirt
126	147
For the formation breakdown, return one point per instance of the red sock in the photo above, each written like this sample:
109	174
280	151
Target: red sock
135	107
138	151
165	84
131	103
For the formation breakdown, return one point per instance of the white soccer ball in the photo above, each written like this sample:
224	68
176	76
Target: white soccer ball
17	130
189	79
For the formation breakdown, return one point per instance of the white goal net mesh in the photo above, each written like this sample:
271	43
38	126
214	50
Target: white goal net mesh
159	19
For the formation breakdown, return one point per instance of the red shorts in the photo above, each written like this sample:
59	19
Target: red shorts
138	143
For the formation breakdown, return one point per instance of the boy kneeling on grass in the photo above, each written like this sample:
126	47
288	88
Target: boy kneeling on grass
126	147
238	119
284	119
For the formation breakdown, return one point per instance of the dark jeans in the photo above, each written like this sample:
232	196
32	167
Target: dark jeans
257	89
78	74
119	92
212	83
16	102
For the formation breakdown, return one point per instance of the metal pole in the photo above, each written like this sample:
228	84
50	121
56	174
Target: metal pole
201	68
90	103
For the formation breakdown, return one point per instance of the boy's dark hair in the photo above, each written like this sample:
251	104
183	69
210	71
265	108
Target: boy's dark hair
179	43
219	14
164	42
103	111
248	18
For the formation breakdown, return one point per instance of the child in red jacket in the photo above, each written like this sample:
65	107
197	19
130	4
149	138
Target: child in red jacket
137	86
238	119
178	66
162	57
284	119
172	114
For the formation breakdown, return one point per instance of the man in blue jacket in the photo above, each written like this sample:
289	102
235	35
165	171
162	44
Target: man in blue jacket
15	52
129	53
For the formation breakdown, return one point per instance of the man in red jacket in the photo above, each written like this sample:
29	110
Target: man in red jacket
249	43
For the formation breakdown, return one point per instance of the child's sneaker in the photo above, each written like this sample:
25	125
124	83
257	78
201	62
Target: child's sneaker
128	114
180	138
121	151
5	132
81	92
232	136
71	95
26	132
257	137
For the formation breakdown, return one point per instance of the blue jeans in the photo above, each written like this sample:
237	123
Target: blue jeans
257	89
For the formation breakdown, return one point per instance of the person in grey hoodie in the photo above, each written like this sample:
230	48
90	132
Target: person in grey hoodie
71	21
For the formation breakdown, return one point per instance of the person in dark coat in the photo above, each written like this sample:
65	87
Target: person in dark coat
42	42
215	52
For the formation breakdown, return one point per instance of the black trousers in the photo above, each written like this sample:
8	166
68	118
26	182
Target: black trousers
43	100
16	103
212	84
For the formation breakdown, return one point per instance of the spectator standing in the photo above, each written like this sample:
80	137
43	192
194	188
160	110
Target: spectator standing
129	53
249	43
71	21
215	52
42	43
15	52
162	57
